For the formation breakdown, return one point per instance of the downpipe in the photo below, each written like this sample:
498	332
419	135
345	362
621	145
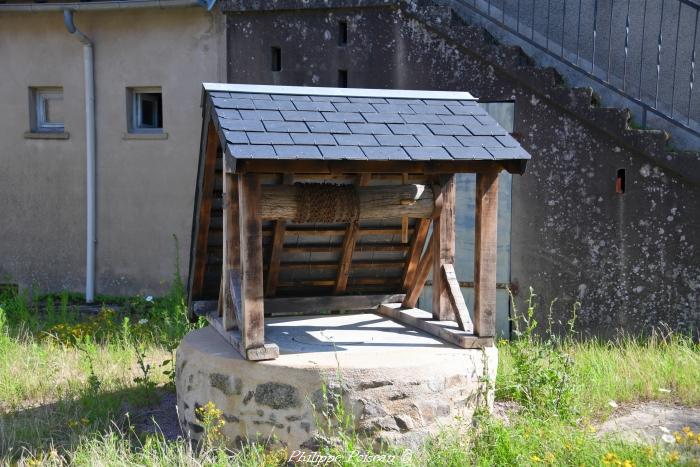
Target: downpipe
89	70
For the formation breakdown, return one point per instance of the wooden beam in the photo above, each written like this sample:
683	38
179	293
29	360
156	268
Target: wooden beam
231	261
381	264
351	235
233	337
459	306
420	276
205	197
444	248
348	249
275	257
375	202
375	167
313	305
315	247
252	290
404	219
277	247
417	245
485	249
445	330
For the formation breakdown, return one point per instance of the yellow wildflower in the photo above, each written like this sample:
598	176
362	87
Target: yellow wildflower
674	456
535	458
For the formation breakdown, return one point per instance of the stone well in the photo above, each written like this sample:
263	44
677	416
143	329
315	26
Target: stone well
400	383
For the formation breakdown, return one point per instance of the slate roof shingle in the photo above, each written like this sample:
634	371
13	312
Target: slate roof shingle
282	122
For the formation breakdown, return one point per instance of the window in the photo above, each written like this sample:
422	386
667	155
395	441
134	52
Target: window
145	110
46	109
276	59
342	33
342	78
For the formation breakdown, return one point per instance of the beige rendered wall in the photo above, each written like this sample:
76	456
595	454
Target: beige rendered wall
145	187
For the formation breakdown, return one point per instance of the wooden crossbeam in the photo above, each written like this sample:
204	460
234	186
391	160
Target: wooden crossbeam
454	292
421	275
417	245
311	305
444	246
485	249
423	320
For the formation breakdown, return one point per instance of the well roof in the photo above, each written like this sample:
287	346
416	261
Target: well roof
313	123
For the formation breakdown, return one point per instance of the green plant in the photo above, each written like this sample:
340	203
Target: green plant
212	422
541	379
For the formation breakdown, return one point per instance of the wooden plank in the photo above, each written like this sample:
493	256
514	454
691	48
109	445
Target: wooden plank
417	245
420	276
252	290
205	198
314	247
459	306
231	261
312	305
375	167
275	257
485	249
404	219
389	282
445	330
338	231
444	235
334	265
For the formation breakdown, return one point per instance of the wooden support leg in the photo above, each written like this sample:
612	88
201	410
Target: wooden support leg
275	257
420	276
351	234
459	306
417	245
485	254
232	253
250	224
444	246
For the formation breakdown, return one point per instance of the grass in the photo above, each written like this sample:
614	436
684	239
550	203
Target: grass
69	383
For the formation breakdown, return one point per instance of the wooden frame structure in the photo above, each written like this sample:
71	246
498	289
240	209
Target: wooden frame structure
245	210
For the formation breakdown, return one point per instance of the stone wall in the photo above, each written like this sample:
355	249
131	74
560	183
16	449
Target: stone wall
397	397
630	259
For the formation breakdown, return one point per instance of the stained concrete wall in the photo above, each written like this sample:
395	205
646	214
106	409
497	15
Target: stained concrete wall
631	260
145	187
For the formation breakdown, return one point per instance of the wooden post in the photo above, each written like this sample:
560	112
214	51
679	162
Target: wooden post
485	250
232	251
250	225
444	249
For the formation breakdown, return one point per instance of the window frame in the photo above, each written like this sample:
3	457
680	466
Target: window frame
135	97
38	97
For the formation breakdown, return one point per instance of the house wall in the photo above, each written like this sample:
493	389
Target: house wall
145	188
631	260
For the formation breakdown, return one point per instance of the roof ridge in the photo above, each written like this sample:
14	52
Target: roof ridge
340	92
